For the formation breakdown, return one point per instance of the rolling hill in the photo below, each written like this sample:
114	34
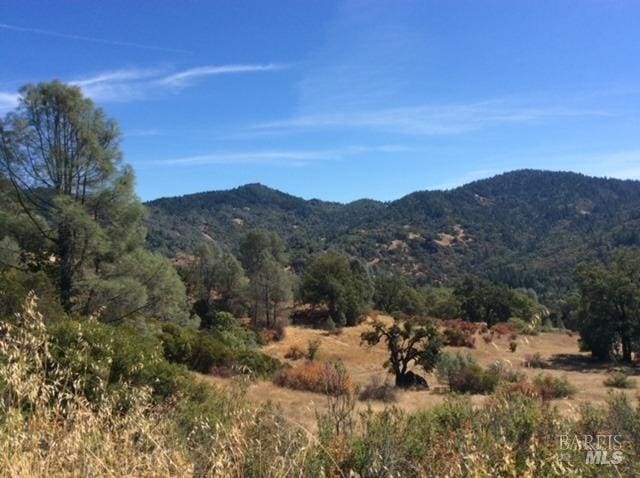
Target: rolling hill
525	228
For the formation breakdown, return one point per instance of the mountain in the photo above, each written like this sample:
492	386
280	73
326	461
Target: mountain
525	228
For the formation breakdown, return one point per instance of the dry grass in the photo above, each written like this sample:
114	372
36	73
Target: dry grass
48	428
560	352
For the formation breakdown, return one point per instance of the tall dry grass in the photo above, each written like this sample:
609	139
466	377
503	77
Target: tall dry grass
48	428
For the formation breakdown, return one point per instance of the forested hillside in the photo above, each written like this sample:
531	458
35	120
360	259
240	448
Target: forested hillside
525	228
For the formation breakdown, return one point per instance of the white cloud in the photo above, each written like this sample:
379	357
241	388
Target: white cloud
114	76
8	101
275	157
427	120
185	77
130	84
118	85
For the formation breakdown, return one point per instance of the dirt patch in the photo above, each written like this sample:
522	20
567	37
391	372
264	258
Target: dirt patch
397	244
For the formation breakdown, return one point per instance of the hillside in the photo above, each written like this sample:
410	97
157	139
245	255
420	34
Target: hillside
525	228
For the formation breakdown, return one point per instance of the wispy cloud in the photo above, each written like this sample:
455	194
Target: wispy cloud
275	157
136	83
117	76
428	120
184	78
8	100
69	36
118	85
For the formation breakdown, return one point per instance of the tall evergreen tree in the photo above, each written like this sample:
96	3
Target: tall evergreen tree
263	258
61	156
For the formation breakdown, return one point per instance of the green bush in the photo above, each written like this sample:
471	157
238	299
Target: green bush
258	364
207	351
100	354
312	349
535	361
177	343
549	387
506	373
16	284
464	375
378	390
619	380
523	327
230	330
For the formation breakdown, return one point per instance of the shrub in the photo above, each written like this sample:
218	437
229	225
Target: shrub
535	361
487	337
619	380
318	377
548	326
338	331
99	354
294	353
523	387
506	373
378	391
280	330
207	352
549	387
503	328
177	343
522	327
469	328
312	349
16	284
513	346
464	375
257	363
329	324
458	338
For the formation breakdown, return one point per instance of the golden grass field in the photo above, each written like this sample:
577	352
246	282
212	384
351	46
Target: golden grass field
362	362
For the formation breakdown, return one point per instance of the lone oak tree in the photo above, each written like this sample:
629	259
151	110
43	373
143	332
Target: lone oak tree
412	341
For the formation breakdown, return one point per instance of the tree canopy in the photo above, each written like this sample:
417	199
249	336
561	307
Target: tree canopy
609	306
409	342
341	285
262	256
71	208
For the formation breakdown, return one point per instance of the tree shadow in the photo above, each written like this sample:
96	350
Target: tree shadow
582	363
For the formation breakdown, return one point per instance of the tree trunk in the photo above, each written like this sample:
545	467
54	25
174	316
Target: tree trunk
65	253
626	349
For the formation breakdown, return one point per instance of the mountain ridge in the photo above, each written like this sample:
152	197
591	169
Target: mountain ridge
527	228
258	186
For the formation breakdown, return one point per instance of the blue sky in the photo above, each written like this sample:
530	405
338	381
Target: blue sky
343	100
